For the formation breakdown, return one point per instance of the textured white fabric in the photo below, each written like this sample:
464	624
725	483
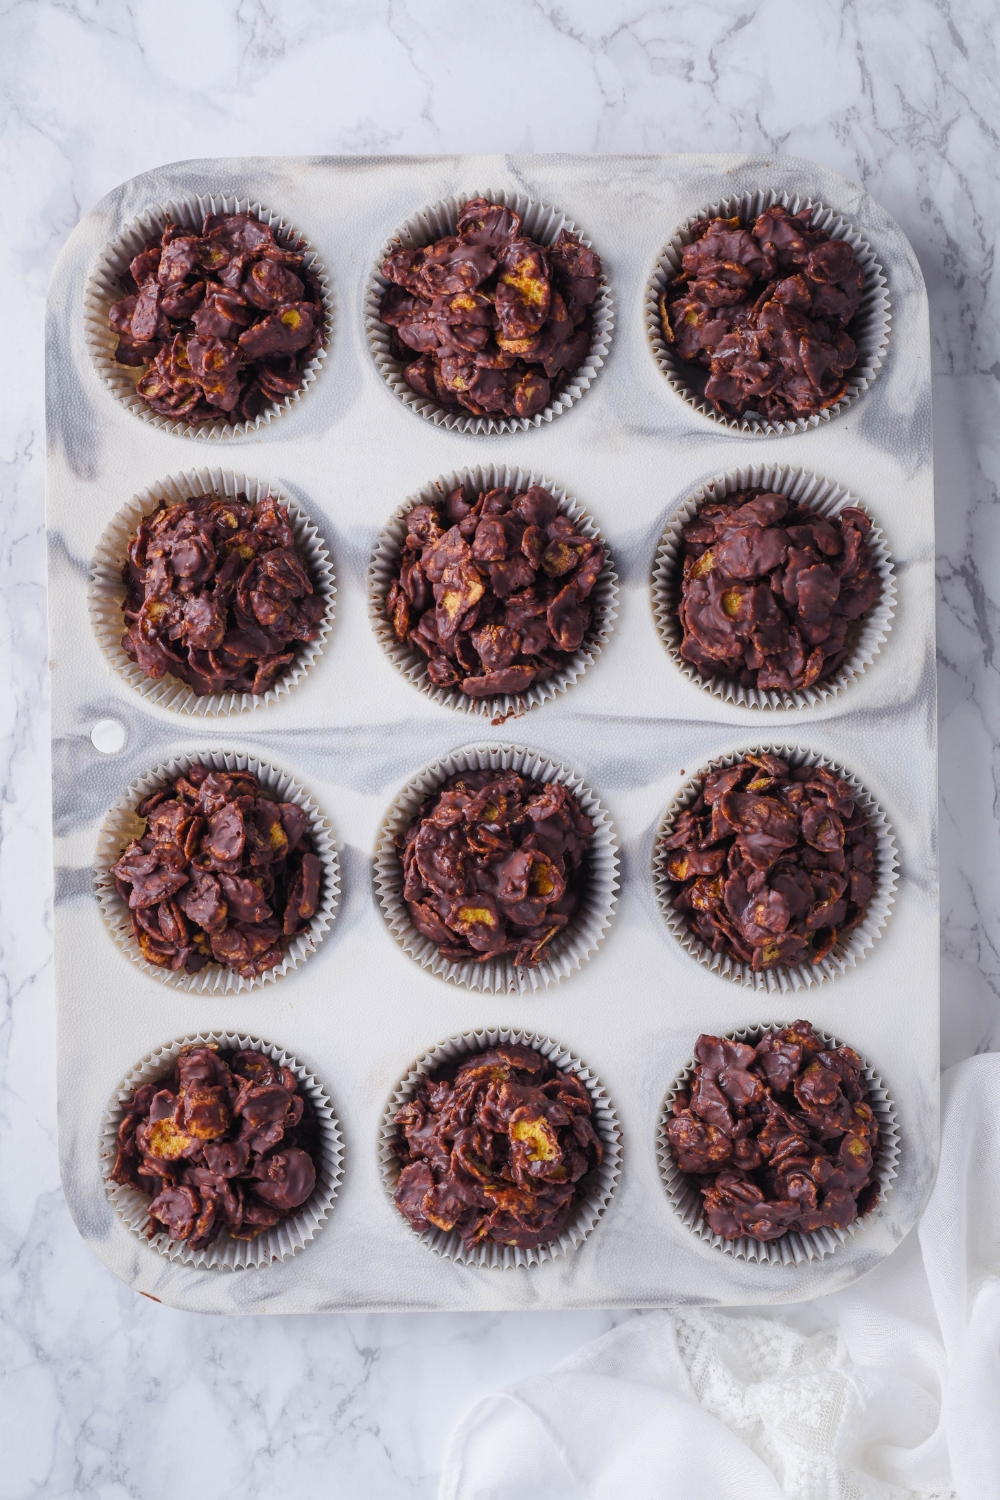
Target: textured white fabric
887	1391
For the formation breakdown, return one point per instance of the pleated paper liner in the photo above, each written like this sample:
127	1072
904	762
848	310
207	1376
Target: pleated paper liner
603	1180
869	327
848	951
539	223
791	1249
105	288
571	948
107	591
384	568
122	824
225	1253
865	636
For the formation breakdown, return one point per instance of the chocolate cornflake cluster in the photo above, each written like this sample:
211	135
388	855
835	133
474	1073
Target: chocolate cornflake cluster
222	874
772	864
500	1149
218	595
498	321
495	594
226	1142
495	863
765	309
778	1137
770	589
227	319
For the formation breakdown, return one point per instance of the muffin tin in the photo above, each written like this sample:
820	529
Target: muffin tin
359	1012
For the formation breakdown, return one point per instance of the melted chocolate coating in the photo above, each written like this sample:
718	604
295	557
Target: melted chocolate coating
495	594
226	320
777	1138
498	1148
772	864
498	322
217	594
770	589
225	1142
222	874
765	308
495	864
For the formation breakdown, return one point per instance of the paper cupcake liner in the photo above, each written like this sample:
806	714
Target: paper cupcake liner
107	591
104	288
539	223
865	636
845	953
383	570
225	1253
122	824
869	327
571	948
604	1119
791	1249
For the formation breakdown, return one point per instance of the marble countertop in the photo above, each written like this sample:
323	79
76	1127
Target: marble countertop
895	95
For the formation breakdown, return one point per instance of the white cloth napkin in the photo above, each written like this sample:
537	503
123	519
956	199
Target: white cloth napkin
882	1392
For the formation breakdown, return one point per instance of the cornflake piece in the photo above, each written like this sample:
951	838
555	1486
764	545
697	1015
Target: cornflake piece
772	864
218	595
498	1147
225	321
495	864
770	589
499	323
765	308
223	874
776	1138
194	1141
495	593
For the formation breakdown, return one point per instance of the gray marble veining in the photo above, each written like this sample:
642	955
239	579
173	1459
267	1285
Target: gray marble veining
899	95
